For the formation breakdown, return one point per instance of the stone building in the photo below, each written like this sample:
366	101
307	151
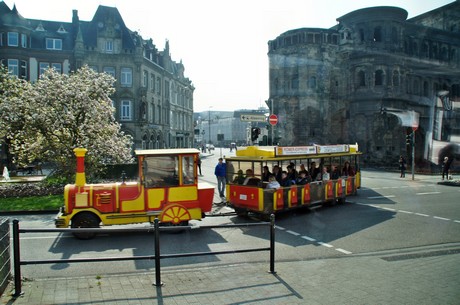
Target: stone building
153	99
356	82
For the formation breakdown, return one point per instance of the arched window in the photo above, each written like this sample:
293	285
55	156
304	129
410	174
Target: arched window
361	35
396	80
425	89
378	34
379	78
312	82
361	79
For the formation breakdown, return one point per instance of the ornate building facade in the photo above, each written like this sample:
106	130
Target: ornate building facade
355	81
153	99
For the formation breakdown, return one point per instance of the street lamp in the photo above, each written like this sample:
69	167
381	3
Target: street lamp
209	124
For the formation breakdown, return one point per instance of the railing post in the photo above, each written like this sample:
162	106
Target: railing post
157	253
17	259
272	244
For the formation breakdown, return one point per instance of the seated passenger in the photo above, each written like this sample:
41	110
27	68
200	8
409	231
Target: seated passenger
335	174
266	174
324	175
285	181
250	179
303	178
347	170
272	183
277	172
239	178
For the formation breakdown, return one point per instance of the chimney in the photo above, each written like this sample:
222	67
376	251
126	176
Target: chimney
80	179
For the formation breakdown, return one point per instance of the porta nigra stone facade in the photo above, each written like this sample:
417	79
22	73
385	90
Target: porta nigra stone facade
350	83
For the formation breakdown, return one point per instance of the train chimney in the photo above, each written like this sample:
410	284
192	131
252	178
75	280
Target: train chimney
80	179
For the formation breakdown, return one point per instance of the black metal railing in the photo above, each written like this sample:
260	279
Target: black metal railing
157	256
5	259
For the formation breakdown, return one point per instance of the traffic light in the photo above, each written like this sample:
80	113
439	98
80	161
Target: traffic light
409	139
255	132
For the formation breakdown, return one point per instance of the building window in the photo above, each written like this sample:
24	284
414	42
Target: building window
378	34
109	46
24	40
110	71
126	110
158	86
23	72
57	67
145	79
312	82
53	44
361	79
126	77
396	78
13	39
43	67
13	67
379	78
152	82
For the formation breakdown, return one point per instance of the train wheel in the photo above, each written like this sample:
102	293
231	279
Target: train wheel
176	215
85	220
241	212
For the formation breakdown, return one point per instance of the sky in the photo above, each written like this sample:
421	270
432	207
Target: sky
222	43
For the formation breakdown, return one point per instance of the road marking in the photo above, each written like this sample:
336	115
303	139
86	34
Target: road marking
307	238
406	212
420	214
427	193
343	251
379	197
442	218
292	232
457	221
281	228
325	244
388	209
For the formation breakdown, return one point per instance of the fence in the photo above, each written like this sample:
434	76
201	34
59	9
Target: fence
5	259
156	256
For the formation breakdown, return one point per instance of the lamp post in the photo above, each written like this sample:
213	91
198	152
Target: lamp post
209	124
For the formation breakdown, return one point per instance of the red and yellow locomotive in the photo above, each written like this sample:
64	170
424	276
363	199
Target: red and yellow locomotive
167	189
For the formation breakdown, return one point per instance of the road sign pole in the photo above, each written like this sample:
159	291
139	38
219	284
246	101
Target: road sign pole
413	154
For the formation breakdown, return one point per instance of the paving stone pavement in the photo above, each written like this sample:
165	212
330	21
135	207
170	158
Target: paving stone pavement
418	278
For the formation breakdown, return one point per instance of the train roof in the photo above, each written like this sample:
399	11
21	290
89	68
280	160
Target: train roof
293	152
169	151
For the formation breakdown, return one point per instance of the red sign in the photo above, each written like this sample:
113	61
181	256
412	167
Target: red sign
273	119
414	128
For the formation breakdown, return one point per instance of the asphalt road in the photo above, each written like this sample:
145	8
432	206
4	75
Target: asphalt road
389	214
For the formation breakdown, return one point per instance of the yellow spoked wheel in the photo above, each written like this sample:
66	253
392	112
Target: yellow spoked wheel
175	214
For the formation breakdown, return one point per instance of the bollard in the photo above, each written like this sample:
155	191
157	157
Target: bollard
272	244
17	259
158	282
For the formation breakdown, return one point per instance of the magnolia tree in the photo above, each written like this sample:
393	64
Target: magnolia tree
48	119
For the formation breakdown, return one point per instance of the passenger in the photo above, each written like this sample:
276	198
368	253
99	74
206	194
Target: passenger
347	170
239	178
285	181
250	179
272	183
303	178
314	171
302	168
265	174
292	174
325	174
277	172
335	174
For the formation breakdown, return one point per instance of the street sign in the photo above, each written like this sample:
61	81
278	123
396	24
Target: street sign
273	119
253	118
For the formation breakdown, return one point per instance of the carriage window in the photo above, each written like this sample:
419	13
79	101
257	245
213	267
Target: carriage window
161	171
188	173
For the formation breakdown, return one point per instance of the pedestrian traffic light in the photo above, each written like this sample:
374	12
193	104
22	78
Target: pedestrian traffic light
409	139
255	132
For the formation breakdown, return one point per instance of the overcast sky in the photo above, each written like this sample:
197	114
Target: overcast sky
222	43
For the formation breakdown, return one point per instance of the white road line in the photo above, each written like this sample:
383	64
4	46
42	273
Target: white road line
388	209
326	245
420	214
292	232
442	218
343	251
457	221
406	212
379	197
427	193
307	238
281	228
